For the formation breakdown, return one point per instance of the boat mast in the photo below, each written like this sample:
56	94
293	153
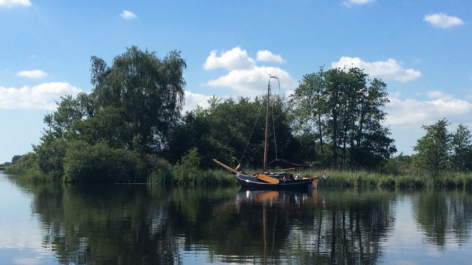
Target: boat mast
266	127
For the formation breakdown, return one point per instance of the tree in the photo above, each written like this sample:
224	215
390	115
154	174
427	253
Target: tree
132	107
461	149
15	159
149	90
52	149
343	108
233	131
433	148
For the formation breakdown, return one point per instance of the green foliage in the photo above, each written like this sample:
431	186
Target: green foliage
233	131
101	163
130	111
397	164
187	172
409	179
433	148
461	149
15	159
148	90
25	162
191	160
343	109
107	125
51	153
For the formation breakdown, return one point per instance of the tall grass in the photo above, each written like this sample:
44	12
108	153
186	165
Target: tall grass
179	176
29	175
406	180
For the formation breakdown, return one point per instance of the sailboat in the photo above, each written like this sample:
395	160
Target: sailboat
267	179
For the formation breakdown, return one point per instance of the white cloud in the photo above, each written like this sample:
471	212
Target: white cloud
415	113
10	3
254	81
127	14
192	100
441	20
231	60
389	69
267	56
244	76
42	96
356	2
32	74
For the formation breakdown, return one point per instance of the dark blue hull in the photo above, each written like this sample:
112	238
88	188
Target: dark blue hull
253	182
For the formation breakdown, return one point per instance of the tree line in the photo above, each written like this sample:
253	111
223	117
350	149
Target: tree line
131	124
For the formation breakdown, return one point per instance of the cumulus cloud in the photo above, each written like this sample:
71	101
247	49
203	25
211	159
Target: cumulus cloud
192	100
127	14
11	3
356	2
42	96
441	20
230	60
389	69
245	77
254	81
32	74
267	56
412	112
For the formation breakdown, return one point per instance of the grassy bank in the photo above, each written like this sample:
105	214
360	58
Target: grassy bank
180	175
412	179
164	175
30	175
343	179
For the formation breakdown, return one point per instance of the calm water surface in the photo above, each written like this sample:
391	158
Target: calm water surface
139	224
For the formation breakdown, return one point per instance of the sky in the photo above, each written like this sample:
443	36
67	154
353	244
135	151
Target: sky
419	48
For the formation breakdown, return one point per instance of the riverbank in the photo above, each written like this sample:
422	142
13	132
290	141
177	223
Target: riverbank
180	176
174	176
410	179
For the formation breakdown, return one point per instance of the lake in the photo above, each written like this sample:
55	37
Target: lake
145	224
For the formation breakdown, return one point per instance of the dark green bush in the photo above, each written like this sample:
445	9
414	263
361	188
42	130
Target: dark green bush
101	163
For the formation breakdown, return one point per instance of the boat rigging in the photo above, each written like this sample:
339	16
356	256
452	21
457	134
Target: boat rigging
269	179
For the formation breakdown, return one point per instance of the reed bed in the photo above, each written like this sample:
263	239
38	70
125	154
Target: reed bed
407	180
182	176
192	177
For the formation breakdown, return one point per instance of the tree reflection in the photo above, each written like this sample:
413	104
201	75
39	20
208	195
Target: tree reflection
444	216
347	229
147	225
105	225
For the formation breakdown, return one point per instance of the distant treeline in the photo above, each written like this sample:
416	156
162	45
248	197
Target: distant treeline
131	128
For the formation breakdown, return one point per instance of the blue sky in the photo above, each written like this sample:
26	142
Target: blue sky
420	48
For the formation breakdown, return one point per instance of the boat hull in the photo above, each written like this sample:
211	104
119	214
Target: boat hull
253	182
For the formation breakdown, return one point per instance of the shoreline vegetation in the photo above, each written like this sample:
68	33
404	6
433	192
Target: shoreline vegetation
131	129
175	176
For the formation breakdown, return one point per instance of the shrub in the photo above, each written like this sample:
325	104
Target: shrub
23	164
101	163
